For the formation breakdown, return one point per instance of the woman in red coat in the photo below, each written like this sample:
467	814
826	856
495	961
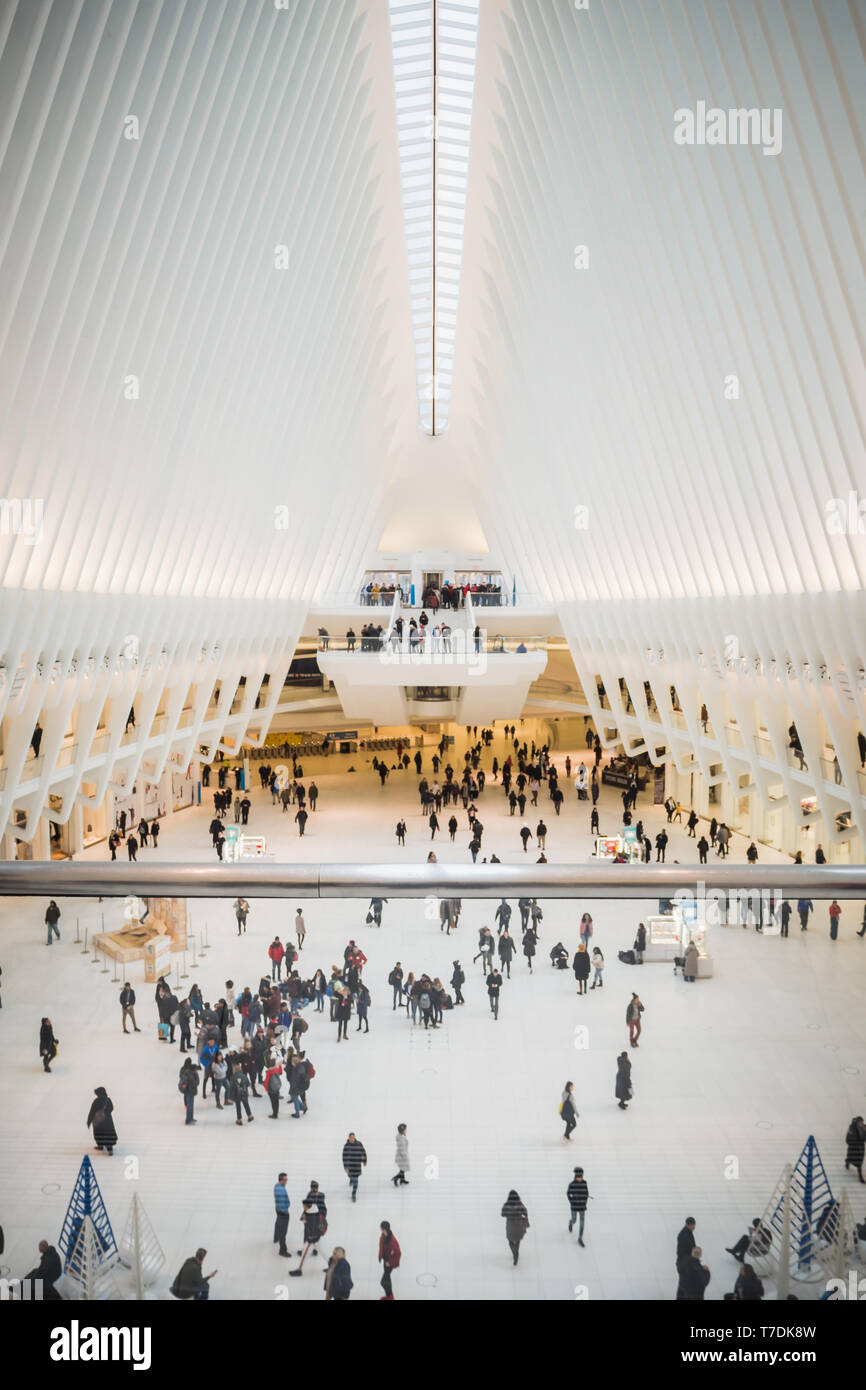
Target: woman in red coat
389	1255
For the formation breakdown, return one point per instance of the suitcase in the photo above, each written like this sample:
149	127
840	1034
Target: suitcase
164	1030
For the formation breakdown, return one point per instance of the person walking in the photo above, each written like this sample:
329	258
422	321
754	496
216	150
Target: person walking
597	963
433	823
47	1044
541	834
494	987
187	1084
506	949
354	1160
661	846
632	1017
804	907
362	1004
458	979
586	929
52	917
242	912
127	1005
580	966
338	1277
401	1158
855	1141
516	1223
623	1089
282	1205
389	1258
526	836
577	1193
99	1118
568	1109
301	818
274	1086
242	1075
315	1225
132	849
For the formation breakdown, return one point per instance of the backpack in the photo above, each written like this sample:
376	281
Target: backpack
311	1071
274	1085
424	1001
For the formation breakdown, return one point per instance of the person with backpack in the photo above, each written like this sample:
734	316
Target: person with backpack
389	1256
188	1086
240	1088
425	1001
578	1197
401	1158
354	1159
300	1076
338	1277
395	980
274	1086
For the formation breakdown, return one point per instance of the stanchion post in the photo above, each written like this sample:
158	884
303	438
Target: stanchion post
205	944
104	970
193	962
185	974
86	948
77	931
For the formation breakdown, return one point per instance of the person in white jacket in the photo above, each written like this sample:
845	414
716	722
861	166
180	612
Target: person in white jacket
597	963
401	1158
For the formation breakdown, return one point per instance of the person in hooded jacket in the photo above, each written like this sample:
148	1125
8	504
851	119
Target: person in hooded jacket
99	1118
506	949
458	979
568	1109
516	1222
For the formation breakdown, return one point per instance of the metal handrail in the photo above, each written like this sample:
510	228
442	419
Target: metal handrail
605	880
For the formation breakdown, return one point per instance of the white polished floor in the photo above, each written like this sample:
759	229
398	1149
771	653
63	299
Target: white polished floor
746	1064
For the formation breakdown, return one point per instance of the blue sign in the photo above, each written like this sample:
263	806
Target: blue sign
342	733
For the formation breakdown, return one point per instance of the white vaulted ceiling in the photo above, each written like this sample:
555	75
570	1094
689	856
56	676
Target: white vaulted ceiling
240	258
274	440
604	388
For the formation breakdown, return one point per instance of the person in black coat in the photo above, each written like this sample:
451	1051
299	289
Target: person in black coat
748	1288
686	1239
580	966
855	1142
100	1118
458	979
694	1277
48	1271
47	1044
338	1277
623	1090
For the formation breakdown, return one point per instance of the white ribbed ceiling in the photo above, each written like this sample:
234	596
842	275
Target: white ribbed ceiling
264	388
603	387
240	258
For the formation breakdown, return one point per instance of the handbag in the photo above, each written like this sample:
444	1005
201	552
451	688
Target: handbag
368	919
98	1119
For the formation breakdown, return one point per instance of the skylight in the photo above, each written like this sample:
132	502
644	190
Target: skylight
434	46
